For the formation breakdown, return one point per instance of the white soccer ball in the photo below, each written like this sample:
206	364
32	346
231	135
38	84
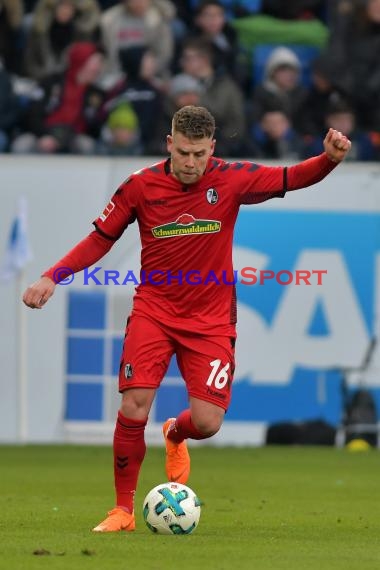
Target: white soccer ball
171	508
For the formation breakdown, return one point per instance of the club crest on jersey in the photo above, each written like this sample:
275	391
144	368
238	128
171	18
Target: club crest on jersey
128	371
186	225
212	196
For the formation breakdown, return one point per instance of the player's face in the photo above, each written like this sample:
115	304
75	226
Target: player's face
189	157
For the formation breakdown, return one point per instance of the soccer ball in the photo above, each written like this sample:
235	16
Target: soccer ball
171	508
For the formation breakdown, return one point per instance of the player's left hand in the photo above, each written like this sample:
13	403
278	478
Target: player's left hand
336	145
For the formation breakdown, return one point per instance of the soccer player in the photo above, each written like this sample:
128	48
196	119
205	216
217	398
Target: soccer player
186	208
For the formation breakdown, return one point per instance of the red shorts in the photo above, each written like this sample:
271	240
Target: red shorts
207	363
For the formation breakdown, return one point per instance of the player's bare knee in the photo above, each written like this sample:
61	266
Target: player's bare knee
207	426
135	403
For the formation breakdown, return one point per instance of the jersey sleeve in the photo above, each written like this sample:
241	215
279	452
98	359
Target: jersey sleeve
92	248
258	183
121	210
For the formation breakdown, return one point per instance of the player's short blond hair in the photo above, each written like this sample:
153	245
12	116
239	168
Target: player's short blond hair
194	122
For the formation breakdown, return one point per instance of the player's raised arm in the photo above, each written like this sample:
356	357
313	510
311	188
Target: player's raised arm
314	169
259	183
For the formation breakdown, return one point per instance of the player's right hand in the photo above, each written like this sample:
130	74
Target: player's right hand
39	293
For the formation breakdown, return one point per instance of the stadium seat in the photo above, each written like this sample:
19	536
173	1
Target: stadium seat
253	6
260	54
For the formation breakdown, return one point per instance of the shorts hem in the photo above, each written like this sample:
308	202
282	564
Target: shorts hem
211	400
123	388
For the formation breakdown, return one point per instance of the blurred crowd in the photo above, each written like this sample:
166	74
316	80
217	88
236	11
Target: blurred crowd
104	77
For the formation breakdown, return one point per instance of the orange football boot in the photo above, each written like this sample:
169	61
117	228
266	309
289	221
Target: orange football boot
118	519
177	457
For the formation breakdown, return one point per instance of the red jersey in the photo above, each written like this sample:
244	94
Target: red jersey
187	278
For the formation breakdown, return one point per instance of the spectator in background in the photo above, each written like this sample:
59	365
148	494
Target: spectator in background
210	23
65	119
288	10
183	90
274	137
323	90
138	87
340	116
281	88
138	23
11	17
105	4
9	109
29	5
238	8
294	9
120	136
185	11
56	25
221	95
355	49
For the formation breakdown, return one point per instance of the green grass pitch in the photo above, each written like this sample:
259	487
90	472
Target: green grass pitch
264	508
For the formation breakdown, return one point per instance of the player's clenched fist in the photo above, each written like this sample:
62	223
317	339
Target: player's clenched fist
336	145
39	293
